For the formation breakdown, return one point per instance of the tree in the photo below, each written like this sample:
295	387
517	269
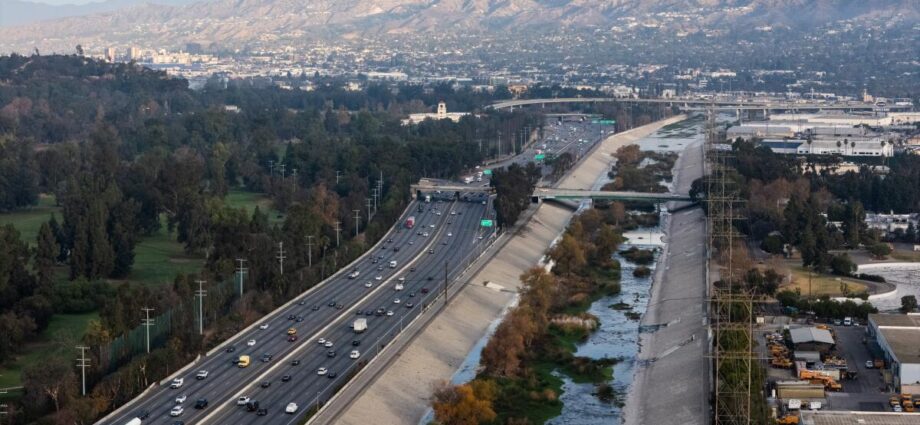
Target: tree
908	303
46	257
842	265
460	405
52	381
880	250
569	255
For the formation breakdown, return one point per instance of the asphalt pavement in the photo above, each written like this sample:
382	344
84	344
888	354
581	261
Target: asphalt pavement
226	381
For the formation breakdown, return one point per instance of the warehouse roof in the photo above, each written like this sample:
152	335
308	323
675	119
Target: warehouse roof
896	320
904	343
857	418
803	335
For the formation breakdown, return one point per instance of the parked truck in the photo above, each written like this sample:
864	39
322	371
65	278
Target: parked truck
360	325
410	222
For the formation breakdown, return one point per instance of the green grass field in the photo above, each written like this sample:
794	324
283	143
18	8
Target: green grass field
240	198
29	221
160	257
62	334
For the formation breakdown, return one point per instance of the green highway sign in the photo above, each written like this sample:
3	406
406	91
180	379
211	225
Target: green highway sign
604	122
486	223
487	172
539	157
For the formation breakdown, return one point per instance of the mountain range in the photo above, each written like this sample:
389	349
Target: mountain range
241	22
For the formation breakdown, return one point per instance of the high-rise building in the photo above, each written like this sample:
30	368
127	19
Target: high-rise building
134	53
110	54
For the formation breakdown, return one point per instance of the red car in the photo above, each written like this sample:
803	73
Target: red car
424	290
292	338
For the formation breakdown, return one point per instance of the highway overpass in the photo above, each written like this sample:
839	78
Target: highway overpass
689	103
542	193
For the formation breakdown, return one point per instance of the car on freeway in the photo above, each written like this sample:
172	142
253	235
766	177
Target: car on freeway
291	317
331	375
295	362
292	331
266	357
262	412
359	312
411	294
292	338
339	306
251	342
368	285
302	302
321	341
263	326
425	234
354	354
181	399
379	268
201	374
315	307
142	414
285	378
412	269
409	305
177	383
378	277
201	403
330	353
396	301
176	411
321	371
390	312
242	401
331	303
328	344
299	319
424	290
230	349
430	277
265	384
449	234
356	343
431	251
290	408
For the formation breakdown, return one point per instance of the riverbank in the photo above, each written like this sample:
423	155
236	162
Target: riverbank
401	394
673	368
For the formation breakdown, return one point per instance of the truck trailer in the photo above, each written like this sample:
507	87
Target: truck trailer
360	325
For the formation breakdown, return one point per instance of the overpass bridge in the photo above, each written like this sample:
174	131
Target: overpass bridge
432	186
701	103
544	193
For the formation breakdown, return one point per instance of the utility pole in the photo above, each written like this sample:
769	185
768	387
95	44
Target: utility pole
82	363
310	250
281	256
241	270
338	174
376	192
271	168
148	322
282	171
369	209
201	293
338	230
357	221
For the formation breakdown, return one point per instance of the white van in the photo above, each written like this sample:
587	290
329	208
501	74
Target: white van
847	321
393	264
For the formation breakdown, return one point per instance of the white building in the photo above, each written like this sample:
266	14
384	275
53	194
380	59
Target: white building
871	147
441	114
898	336
888	223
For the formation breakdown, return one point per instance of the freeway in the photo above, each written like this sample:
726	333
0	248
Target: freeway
313	315
732	104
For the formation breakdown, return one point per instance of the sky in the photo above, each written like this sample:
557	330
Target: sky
59	2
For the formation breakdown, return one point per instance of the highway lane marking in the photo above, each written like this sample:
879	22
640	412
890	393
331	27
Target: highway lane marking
334	321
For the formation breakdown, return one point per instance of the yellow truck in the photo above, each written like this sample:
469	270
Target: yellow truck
244	361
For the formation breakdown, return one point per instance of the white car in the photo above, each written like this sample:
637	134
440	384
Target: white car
321	341
431	226
177	383
368	285
321	371
242	401
402	279
176	411
449	234
291	408
378	278
869	364
897	408
354	354
181	399
201	374
251	342
396	301
328	344
389	312
453	213
263	326
425	234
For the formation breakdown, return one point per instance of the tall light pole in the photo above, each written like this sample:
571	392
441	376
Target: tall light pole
310	250
338	230
241	271
201	293
357	221
281	256
82	363
148	322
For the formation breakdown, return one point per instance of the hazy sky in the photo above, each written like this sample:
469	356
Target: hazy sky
63	1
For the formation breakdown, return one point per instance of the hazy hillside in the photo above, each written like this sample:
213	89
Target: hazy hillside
244	21
21	12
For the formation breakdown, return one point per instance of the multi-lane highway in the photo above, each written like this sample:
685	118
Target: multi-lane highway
454	238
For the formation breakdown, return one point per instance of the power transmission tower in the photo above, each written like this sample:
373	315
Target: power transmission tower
357	221
201	293
82	363
310	250
731	300
241	271
368	209
148	322
281	256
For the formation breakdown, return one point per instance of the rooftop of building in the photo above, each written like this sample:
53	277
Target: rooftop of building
811	334
857	418
904	343
896	320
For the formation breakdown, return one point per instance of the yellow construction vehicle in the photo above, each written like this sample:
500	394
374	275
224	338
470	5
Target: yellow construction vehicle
893	401
907	402
781	362
788	420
